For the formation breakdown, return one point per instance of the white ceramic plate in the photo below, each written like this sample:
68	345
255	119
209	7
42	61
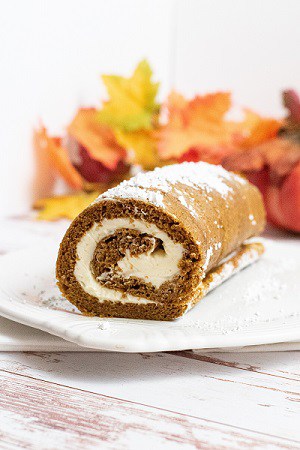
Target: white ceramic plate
260	305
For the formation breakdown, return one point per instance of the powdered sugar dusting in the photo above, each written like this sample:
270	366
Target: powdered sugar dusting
258	298
151	186
209	252
187	205
125	191
183	201
252	220
230	269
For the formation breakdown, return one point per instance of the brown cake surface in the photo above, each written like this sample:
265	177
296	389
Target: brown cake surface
152	247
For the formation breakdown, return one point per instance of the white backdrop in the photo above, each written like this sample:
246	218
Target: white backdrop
53	51
250	47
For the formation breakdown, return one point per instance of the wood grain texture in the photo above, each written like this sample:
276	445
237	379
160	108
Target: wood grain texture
49	416
222	360
214	392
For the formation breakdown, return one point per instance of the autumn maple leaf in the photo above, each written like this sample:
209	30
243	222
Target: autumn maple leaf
143	144
97	139
57	157
195	123
254	130
197	129
131	105
64	206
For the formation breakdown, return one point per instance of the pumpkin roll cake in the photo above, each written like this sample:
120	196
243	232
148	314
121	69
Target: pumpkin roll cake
153	246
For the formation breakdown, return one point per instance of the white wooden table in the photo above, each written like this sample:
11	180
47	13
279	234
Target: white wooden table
175	400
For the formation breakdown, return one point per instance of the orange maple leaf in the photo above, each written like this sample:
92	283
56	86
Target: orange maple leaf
256	129
197	129
195	123
98	140
58	157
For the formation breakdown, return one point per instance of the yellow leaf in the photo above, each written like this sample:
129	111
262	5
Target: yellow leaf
65	206
143	144
131	105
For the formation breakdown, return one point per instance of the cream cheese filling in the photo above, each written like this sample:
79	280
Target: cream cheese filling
155	266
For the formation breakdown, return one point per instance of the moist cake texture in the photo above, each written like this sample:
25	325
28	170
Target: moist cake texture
153	246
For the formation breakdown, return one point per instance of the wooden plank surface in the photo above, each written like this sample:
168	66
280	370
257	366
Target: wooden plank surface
177	400
47	415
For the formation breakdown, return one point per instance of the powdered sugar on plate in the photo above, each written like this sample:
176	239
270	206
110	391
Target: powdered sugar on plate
260	296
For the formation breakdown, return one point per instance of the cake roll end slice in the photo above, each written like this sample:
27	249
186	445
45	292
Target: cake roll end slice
152	252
